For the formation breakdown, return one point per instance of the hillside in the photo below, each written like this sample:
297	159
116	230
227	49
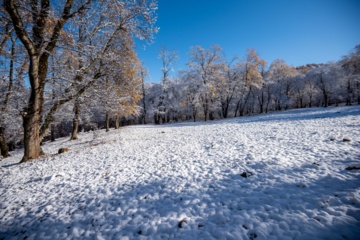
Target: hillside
275	176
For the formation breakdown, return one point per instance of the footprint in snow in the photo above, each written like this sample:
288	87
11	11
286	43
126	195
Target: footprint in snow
253	236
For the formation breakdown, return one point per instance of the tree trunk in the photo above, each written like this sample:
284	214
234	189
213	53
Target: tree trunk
75	120
237	107
31	124
326	99
349	92
4	150
224	110
242	108
206	108
117	121
74	129
262	100
156	118
225	107
194	112
52	133
32	114
107	121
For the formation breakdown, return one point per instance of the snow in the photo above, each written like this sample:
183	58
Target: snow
184	181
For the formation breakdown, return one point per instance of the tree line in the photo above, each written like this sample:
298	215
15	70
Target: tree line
214	87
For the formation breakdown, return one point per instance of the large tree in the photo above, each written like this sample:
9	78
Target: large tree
39	24
204	68
251	78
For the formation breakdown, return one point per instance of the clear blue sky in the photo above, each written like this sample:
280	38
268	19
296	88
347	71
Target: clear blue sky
298	31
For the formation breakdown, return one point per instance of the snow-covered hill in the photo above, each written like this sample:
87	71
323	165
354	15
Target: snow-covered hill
276	176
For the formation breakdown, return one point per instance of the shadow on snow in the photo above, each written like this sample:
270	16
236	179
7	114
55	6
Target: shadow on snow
230	207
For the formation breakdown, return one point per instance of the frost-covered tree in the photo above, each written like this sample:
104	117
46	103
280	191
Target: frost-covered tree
204	69
281	77
12	88
165	109
351	74
250	78
229	84
326	79
143	73
30	20
39	26
189	103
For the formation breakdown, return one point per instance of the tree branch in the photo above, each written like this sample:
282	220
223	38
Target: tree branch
60	23
19	27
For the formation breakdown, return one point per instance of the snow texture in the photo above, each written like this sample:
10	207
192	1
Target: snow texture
275	176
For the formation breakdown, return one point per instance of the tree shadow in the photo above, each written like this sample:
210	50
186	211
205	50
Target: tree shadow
223	206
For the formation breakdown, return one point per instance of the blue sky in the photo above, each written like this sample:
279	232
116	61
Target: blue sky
298	31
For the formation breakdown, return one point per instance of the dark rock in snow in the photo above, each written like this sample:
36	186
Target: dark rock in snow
253	236
63	150
139	232
315	163
301	185
200	225
181	223
353	168
332	139
346	140
246	174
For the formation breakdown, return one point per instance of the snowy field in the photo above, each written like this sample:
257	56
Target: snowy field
276	176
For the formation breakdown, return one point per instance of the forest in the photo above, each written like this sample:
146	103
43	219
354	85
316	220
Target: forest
72	66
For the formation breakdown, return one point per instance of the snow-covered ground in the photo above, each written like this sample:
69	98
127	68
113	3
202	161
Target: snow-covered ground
186	181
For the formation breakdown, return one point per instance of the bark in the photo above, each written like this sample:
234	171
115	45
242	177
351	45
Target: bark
4	150
194	113
326	99
268	100
117	121
242	107
237	108
301	103
349	92
206	107
107	121
324	91
261	102
75	120
52	135
225	105
156	118
32	114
